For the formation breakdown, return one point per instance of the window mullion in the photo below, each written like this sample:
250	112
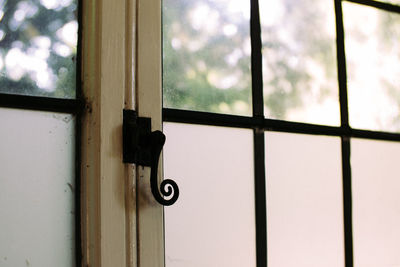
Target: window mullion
381	5
345	140
347	202
258	136
341	57
256	61
260	197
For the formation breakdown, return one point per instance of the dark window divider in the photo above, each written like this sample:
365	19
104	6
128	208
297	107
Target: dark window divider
80	105
256	61
347	202
214	119
73	106
258	135
260	197
208	118
380	5
345	141
341	64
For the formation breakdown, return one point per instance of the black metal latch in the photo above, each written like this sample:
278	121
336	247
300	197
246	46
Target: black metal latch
143	147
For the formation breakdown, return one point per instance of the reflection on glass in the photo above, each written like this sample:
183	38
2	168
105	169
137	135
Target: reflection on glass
376	198
299	61
38	42
37	189
373	55
304	201
207	55
212	224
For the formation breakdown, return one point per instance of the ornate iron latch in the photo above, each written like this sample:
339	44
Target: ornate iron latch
143	147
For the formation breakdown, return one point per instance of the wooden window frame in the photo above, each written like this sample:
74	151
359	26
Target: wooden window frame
121	53
121	69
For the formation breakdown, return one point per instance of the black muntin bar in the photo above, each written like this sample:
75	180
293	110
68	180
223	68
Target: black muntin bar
73	106
298	127
345	140
78	141
260	197
384	136
347	202
314	129
215	119
341	65
78	205
258	138
380	5
256	60
206	118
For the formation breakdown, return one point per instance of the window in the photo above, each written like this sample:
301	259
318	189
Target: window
316	83
83	217
120	67
39	135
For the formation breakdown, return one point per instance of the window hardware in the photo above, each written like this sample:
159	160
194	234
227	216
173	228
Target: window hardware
143	147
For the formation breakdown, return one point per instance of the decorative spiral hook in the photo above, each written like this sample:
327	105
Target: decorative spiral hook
143	147
168	188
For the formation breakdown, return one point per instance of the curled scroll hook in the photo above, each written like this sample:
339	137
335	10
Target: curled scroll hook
168	187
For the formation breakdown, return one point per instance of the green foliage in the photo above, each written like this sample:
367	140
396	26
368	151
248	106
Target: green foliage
195	68
188	71
21	27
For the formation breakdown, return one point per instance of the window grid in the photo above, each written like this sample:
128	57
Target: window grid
259	124
71	106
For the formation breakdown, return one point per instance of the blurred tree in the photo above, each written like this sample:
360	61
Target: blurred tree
207	63
38	47
391	23
299	52
206	56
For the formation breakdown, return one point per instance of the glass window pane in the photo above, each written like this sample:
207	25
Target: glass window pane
37	189
373	75
376	198
299	61
206	62
38	42
213	222
304	201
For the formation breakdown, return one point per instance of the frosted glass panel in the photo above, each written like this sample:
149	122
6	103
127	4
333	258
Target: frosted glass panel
38	47
37	189
212	224
299	60
206	55
376	203
304	201
373	73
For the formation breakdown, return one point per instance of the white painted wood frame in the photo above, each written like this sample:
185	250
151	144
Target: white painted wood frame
122	225
149	103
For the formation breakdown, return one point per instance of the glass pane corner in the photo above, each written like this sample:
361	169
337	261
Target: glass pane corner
38	47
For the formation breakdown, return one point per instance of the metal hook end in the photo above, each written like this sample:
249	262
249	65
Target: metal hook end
168	187
143	147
